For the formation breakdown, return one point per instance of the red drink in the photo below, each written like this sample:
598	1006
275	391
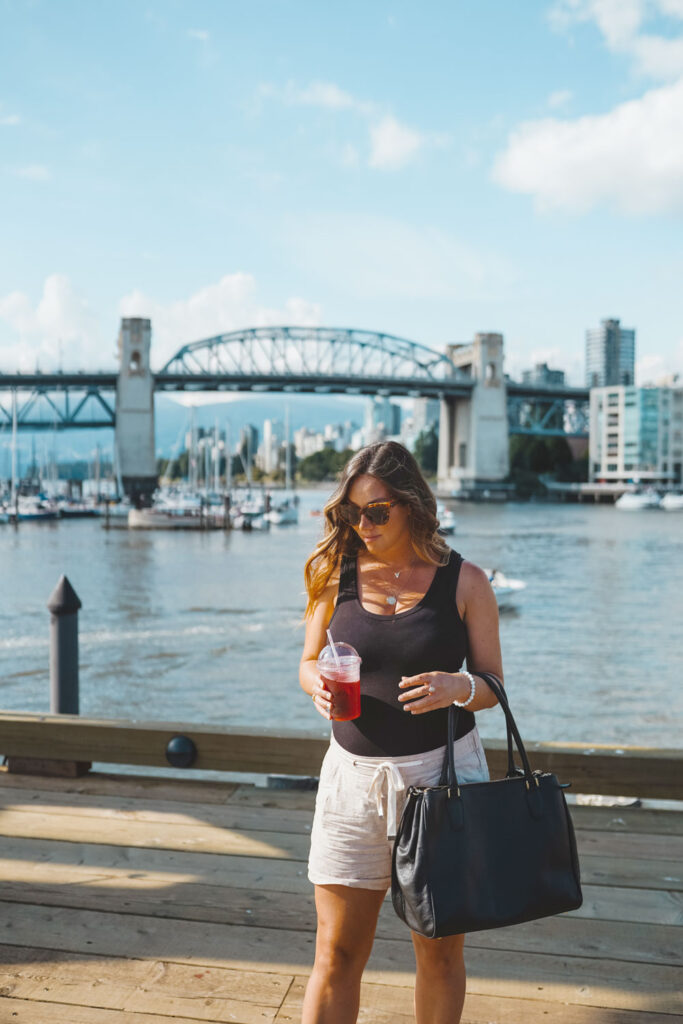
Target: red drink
346	693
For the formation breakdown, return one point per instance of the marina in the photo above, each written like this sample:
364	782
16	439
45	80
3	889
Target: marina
161	607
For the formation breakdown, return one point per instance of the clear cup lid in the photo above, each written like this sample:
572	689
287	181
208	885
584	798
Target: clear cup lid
345	653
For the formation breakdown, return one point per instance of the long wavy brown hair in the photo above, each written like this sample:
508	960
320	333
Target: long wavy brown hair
394	465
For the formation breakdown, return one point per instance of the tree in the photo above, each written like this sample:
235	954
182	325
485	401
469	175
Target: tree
427	450
323	465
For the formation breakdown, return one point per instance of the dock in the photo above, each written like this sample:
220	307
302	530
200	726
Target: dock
140	899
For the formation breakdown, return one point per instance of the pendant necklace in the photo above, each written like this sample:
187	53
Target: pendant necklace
391	599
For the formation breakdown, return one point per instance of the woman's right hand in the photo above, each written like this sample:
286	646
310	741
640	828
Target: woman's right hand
322	699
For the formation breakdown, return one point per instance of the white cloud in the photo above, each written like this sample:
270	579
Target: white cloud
559	98
199	33
62	330
631	157
33	172
621	23
227	305
10	120
657	369
393	145
317	94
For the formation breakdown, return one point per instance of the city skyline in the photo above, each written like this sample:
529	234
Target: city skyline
471	169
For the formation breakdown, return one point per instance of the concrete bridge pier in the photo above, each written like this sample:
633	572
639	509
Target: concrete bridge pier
135	411
473	432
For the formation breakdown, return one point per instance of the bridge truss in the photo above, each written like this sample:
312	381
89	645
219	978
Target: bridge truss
547	412
58	401
322	359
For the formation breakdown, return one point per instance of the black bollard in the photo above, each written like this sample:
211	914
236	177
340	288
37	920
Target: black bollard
63	605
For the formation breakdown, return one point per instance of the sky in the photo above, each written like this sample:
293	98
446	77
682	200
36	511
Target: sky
427	170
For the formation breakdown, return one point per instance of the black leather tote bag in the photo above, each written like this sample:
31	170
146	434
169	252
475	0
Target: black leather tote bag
487	854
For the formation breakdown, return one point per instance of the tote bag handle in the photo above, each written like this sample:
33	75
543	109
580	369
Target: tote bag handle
449	772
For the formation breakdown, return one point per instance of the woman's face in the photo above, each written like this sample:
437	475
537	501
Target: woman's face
379	540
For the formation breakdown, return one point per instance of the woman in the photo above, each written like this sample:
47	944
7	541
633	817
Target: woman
383	580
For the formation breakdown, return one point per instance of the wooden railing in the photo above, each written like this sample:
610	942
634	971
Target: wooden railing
609	770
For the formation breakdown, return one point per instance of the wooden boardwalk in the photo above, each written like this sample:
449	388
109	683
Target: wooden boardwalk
138	900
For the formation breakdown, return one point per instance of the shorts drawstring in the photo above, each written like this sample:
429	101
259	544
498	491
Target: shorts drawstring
387	772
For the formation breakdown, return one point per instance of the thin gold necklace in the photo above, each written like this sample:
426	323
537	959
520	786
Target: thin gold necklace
391	599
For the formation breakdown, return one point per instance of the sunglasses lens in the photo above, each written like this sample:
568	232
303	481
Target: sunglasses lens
349	514
377	514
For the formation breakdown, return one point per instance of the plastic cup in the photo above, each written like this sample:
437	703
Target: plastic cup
341	676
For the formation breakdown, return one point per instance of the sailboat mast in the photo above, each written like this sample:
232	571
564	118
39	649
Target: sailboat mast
228	459
13	485
216	458
288	453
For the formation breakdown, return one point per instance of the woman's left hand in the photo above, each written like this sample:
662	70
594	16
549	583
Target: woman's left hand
432	690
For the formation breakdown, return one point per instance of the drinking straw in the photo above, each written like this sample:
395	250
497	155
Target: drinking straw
334	649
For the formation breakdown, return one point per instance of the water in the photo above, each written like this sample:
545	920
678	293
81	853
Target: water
207	627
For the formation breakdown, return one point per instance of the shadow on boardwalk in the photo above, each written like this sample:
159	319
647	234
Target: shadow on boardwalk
132	900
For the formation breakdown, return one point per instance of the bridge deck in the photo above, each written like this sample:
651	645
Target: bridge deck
138	900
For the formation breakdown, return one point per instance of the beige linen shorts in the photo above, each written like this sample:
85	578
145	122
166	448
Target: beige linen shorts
359	804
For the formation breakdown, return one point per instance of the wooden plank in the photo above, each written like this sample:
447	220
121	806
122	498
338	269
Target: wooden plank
385	1004
114	830
627	819
193	791
261	815
21	1011
589	979
141	986
632	872
195	836
249	902
236	816
120	741
123	865
636	771
134	786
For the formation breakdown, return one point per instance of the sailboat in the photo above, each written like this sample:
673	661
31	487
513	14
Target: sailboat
286	511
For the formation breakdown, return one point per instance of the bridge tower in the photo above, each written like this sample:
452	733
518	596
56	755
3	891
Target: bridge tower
135	411
473	432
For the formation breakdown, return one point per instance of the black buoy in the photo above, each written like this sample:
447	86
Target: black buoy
181	752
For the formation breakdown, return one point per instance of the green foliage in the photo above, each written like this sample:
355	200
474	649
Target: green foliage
531	456
427	450
323	465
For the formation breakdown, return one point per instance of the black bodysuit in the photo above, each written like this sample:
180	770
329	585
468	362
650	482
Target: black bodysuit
430	637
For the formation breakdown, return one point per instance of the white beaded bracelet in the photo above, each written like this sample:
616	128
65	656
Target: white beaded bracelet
473	687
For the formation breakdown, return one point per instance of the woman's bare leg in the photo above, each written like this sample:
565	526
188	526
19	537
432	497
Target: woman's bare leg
347	919
440	980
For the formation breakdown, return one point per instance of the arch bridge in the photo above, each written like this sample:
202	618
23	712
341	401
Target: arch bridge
479	408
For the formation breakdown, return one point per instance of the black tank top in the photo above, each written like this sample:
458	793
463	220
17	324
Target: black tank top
430	637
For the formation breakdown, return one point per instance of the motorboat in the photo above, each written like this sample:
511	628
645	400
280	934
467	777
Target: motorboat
447	521
672	502
284	513
504	587
77	510
33	508
633	501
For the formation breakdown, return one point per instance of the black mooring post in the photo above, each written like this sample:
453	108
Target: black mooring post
63	605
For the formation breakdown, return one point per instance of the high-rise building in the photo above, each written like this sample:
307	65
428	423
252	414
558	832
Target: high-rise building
636	434
543	375
610	355
382	419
